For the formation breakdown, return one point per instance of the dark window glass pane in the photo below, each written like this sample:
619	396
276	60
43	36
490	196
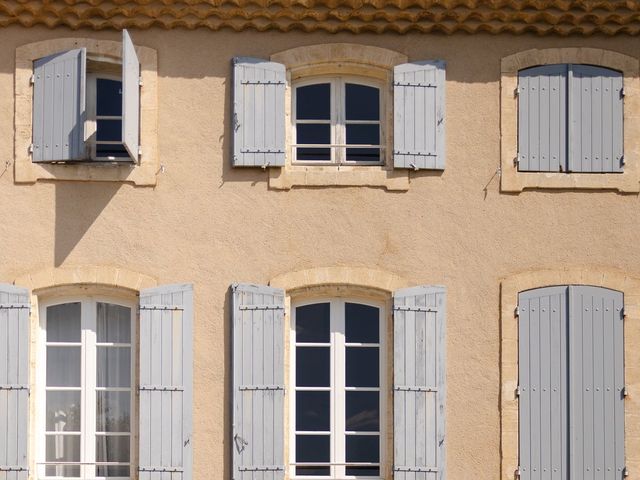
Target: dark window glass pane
313	154
363	103
313	102
313	411
63	323
312	448
117	151
113	411
312	366
63	448
312	323
363	154
63	366
363	471
313	471
358	134
113	448
114	323
363	448
108	97
362	323
313	133
63	411
363	411
111	471
109	130
363	368
113	367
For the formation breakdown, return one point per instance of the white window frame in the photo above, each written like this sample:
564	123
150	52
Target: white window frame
337	402
338	122
88	315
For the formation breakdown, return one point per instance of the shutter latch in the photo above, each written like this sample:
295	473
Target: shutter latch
516	312
518	391
32	79
622	160
625	472
622	93
517	473
625	391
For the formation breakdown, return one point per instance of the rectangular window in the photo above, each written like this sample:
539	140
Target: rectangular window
338	370
87	380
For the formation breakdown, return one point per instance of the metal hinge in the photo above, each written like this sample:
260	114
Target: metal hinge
161	469
265	468
11	468
261	307
262	82
160	307
414	84
415	309
13	306
404	388
260	387
14	387
416	469
160	388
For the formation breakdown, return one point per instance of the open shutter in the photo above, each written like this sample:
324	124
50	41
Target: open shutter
258	382
596	365
14	382
166	359
258	113
596	119
130	97
542	389
418	100
419	383
59	85
542	119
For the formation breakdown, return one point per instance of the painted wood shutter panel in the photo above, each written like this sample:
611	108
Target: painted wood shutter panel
419	383
542	119
130	97
258	113
258	382
596	119
418	101
59	109
596	363
14	382
543	399
166	383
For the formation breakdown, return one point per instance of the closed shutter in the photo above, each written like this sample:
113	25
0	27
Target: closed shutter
59	107
596	365
542	119
166	359
14	382
543	388
258	383
258	113
418	105
130	97
596	119
419	383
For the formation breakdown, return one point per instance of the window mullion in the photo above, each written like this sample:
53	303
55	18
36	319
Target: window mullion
339	388
89	404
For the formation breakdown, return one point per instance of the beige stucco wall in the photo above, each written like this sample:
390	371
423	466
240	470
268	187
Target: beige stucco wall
211	225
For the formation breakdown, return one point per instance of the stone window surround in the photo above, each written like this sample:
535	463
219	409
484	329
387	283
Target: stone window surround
514	181
336	59
142	174
599	277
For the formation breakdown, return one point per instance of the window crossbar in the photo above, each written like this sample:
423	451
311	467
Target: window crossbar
337	464
336	145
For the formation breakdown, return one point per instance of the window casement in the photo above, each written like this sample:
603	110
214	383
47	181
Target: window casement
86	382
337	369
86	108
570	119
571	383
337	121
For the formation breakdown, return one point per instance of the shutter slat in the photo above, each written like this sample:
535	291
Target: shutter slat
419	365
166	359
258	113
543	407
130	97
59	107
14	381
258	382
419	122
542	119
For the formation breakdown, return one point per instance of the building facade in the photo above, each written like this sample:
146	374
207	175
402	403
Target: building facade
335	240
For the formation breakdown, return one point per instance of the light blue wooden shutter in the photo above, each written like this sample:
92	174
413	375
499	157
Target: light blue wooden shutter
543	394
258	383
419	383
596	119
130	97
542	119
166	383
258	113
596	363
419	115
14	382
59	107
